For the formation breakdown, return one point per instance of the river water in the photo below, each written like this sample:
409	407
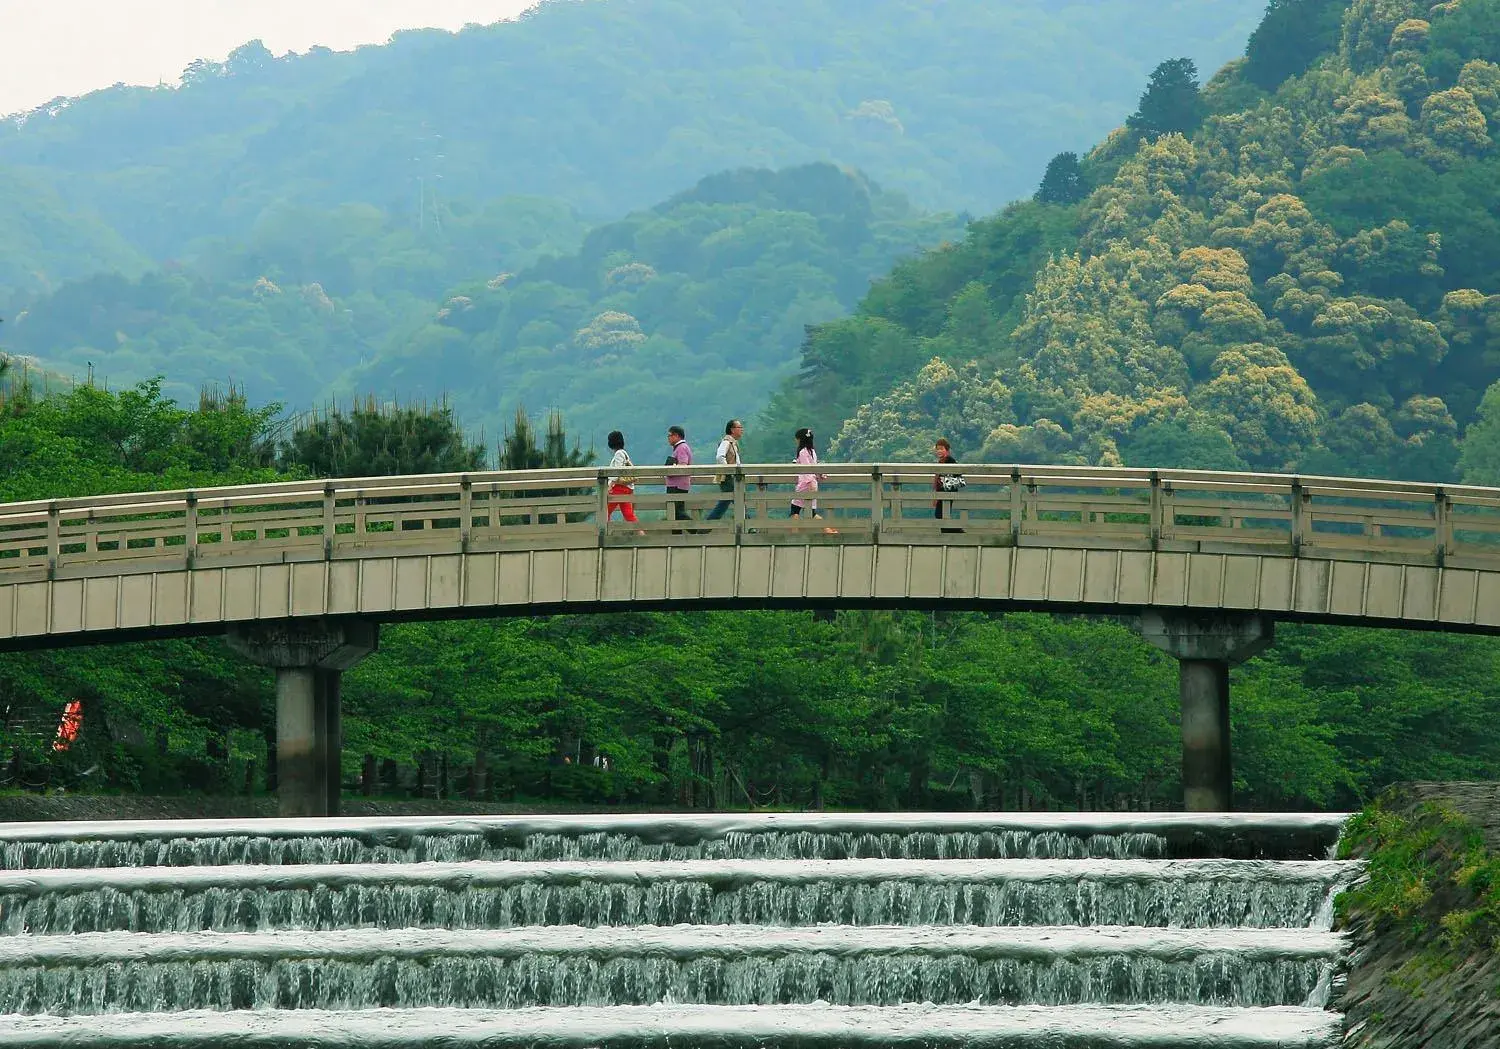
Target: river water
1035	930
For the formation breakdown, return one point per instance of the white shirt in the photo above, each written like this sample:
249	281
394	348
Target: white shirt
620	461
722	455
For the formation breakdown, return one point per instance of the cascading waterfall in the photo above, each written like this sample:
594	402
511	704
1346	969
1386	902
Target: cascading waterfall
980	929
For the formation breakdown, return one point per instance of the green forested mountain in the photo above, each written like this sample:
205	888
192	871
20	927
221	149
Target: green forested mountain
689	312
297	225
1297	267
613	105
281	314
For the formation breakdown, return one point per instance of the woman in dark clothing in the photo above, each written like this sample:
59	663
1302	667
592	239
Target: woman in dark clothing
945	482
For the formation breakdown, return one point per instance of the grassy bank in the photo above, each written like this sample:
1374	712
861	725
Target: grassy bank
1425	922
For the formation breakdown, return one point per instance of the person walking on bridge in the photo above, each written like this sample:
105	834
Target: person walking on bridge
621	481
728	455
807	483
680	455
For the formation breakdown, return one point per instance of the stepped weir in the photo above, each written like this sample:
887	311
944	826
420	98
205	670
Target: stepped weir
986	929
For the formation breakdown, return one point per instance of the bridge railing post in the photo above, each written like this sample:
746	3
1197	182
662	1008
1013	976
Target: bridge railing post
191	524
1157	509
1443	525
1300	497
329	506
601	504
877	503
1017	504
741	503
465	511
54	537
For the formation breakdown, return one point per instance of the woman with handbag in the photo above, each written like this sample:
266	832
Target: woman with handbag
947	483
621	483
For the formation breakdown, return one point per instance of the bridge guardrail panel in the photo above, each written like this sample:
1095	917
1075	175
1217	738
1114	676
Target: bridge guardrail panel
1335	517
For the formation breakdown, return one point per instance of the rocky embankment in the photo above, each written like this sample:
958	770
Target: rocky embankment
1424	966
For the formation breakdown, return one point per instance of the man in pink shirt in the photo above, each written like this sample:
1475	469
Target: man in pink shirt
679	484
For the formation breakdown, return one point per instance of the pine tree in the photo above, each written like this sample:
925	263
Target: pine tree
1171	102
519	449
1063	183
1292	36
375	440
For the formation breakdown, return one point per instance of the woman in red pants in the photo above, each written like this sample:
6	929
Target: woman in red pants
621	484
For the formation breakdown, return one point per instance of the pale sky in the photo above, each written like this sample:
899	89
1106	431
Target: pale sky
69	47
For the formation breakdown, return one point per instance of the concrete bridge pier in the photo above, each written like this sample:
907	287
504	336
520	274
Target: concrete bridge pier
309	657
1206	645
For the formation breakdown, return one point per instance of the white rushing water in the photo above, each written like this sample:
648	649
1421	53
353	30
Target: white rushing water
774	892
1128	1027
980	929
191	843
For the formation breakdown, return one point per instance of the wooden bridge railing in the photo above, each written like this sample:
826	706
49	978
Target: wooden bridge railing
1027	505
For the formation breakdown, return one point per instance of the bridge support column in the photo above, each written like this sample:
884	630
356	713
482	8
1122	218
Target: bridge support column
1205	646
309	657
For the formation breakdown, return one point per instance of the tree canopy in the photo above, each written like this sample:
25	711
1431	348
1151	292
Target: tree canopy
1171	103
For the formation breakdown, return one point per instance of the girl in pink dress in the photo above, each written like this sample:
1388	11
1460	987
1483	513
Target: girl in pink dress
807	483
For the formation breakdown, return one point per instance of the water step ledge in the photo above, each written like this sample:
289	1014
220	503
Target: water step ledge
682	942
684	828
718	873
705	1027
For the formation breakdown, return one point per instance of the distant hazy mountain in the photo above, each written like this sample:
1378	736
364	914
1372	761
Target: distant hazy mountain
612	105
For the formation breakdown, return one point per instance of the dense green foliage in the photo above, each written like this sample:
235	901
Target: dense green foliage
319	224
1314	272
612	106
689	313
951	302
91	442
137	699
1064	182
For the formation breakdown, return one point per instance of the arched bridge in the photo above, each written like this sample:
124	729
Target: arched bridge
299	573
1058	538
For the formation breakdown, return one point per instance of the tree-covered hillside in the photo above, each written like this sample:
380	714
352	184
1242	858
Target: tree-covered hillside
690	312
612	105
1297	267
43	241
285	311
